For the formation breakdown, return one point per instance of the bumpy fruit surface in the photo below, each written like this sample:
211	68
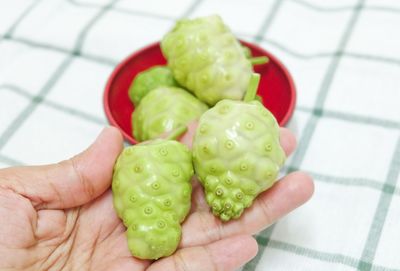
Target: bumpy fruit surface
163	110
151	192
148	80
207	59
236	154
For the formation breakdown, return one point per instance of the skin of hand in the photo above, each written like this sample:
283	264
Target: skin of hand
61	217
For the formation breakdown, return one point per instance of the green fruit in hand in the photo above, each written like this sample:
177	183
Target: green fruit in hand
163	110
207	59
148	80
151	192
236	155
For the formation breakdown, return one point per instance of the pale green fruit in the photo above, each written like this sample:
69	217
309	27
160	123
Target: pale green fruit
163	110
152	192
207	59
144	82
236	155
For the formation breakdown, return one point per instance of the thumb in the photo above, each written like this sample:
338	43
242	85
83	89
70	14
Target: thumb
69	183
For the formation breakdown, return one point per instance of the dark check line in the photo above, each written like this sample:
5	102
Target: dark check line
83	35
97	59
24	115
350	181
10	161
297	54
143	14
381	212
75	112
303	3
52	104
312	253
112	62
195	4
318	8
393	61
123	10
330	73
369	120
263	242
319	255
291	52
385	188
321	8
268	20
20	119
21	18
383	9
323	92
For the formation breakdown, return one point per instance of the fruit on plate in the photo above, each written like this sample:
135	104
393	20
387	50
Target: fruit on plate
163	110
148	80
236	153
207	59
152	195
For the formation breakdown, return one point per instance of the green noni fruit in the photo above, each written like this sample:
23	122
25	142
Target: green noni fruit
207	59
148	80
152	192
163	110
236	155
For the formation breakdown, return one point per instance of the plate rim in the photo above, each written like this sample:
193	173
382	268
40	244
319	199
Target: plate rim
123	63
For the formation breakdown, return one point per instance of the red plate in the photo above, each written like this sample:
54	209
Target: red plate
276	86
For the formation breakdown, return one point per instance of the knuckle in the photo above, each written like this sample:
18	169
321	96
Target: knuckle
87	186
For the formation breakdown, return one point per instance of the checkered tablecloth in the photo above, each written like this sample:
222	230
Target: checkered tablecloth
56	55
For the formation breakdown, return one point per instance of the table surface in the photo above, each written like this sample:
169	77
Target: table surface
344	55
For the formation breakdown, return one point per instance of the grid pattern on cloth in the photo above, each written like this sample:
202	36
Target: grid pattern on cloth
56	55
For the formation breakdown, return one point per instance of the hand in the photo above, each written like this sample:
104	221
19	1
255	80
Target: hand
61	216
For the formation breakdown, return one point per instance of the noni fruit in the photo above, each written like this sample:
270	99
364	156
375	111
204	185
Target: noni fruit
163	110
236	155
148	80
152	192
207	59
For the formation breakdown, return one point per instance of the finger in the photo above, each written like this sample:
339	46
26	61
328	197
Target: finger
101	213
126	264
187	138
287	140
118	256
228	254
292	191
72	182
18	221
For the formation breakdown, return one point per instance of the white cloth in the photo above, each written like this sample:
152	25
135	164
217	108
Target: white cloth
344	57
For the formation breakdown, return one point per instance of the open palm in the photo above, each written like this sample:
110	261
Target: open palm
61	216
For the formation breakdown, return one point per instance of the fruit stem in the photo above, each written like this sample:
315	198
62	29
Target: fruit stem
259	60
177	132
252	87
